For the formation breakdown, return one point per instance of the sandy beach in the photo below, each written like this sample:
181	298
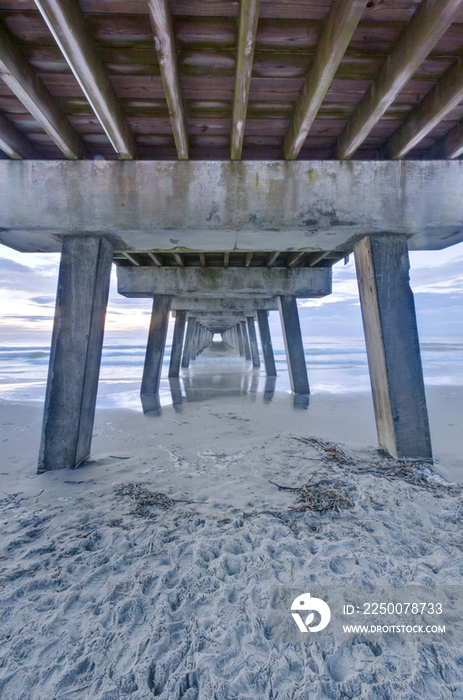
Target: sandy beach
106	595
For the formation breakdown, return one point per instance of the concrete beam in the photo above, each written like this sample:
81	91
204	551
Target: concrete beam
253	341
156	345
75	356
294	345
218	206
266	343
221	305
227	282
187	349
393	350
244	333
177	343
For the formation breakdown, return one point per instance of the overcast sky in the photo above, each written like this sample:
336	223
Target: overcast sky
28	287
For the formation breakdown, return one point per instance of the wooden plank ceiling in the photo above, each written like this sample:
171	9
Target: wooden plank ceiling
221	79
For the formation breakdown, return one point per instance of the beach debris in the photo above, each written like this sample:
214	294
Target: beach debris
413	472
329	450
321	496
143	498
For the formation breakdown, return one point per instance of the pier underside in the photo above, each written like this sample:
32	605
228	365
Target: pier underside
219	245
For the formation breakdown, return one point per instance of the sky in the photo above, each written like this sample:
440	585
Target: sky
28	287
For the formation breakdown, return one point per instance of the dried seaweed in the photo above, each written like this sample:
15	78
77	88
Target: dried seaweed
329	450
321	496
143	498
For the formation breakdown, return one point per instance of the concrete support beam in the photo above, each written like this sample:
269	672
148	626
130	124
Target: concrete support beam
266	342
311	206
391	336
156	345
76	345
240	341
253	341
244	333
294	346
188	342
231	282
177	343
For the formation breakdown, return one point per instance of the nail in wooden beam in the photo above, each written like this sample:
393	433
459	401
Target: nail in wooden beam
271	257
67	24
342	21
428	24
247	260
157	259
21	78
249	17
161	21
445	96
393	349
13	143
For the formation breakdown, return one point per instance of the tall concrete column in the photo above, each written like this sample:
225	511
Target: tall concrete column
188	347
239	336
156	345
266	342
244	333
392	342
293	344
253	341
177	343
72	385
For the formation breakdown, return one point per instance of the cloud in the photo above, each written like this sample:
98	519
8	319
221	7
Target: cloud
45	300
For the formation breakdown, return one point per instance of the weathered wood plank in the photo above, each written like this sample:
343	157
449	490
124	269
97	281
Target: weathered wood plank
249	17
165	46
450	145
444	97
427	26
27	86
334	40
67	25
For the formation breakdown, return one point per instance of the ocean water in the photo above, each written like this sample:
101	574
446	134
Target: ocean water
335	366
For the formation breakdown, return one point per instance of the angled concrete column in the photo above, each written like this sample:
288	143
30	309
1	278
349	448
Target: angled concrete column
239	336
266	342
293	344
177	343
188	342
244	333
156	345
76	344
393	350
253	341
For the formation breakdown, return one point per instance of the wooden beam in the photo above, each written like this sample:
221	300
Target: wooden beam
271	257
20	77
13	143
202	259
318	258
249	17
342	21
428	24
67	24
131	257
178	259
445	96
226	258
293	258
449	146
161	21
157	259
248	258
